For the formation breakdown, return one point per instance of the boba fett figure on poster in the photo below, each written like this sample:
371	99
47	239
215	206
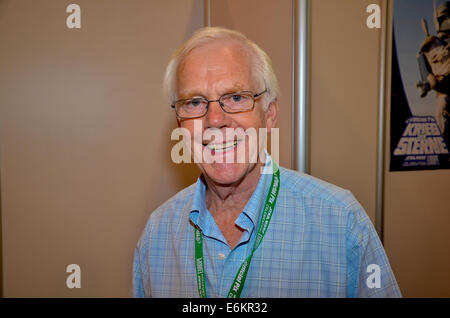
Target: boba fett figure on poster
434	66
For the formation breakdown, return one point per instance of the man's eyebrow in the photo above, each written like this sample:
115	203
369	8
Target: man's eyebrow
189	95
234	90
237	87
194	93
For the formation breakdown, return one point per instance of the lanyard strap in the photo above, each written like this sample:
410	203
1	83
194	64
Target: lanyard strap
238	283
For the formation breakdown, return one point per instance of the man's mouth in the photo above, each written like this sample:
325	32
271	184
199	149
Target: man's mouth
221	147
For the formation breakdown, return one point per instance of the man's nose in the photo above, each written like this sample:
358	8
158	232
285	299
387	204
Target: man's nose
215	117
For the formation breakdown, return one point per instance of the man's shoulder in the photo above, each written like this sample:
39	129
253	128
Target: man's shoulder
310	189
172	211
176	203
171	216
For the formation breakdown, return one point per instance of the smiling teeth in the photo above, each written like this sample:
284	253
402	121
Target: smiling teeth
221	147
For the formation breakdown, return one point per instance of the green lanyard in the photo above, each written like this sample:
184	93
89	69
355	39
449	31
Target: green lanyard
238	283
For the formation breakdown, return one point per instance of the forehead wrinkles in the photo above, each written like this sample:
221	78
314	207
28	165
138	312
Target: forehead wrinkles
217	59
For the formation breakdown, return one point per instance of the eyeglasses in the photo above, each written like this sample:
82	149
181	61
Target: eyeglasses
230	103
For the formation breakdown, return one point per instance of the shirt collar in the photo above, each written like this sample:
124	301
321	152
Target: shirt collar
256	203
198	201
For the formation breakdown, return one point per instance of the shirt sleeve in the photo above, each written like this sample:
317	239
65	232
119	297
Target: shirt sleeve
138	288
368	271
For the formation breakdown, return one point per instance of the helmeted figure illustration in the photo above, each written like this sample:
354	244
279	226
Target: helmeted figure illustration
434	66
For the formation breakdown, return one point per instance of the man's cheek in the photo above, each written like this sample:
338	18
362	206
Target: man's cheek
197	150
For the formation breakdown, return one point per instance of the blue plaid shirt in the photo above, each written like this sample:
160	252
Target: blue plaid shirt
320	243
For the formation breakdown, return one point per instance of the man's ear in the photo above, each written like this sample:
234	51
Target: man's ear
272	115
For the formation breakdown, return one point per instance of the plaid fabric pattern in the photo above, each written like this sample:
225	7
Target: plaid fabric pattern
319	243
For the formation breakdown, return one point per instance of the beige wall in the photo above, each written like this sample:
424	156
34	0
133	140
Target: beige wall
85	138
85	135
345	72
344	88
417	223
85	132
270	26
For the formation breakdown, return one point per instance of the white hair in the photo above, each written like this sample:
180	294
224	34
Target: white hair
262	69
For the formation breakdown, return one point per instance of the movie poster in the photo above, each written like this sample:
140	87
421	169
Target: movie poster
420	100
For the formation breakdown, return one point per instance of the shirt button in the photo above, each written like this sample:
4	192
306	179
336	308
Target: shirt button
221	256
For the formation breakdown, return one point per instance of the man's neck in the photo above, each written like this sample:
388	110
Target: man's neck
231	199
226	203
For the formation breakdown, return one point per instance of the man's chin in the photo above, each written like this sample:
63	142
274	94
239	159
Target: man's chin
225	173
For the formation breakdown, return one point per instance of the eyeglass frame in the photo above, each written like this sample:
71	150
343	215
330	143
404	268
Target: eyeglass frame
254	97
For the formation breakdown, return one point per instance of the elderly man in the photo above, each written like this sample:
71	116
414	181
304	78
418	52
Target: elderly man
248	228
